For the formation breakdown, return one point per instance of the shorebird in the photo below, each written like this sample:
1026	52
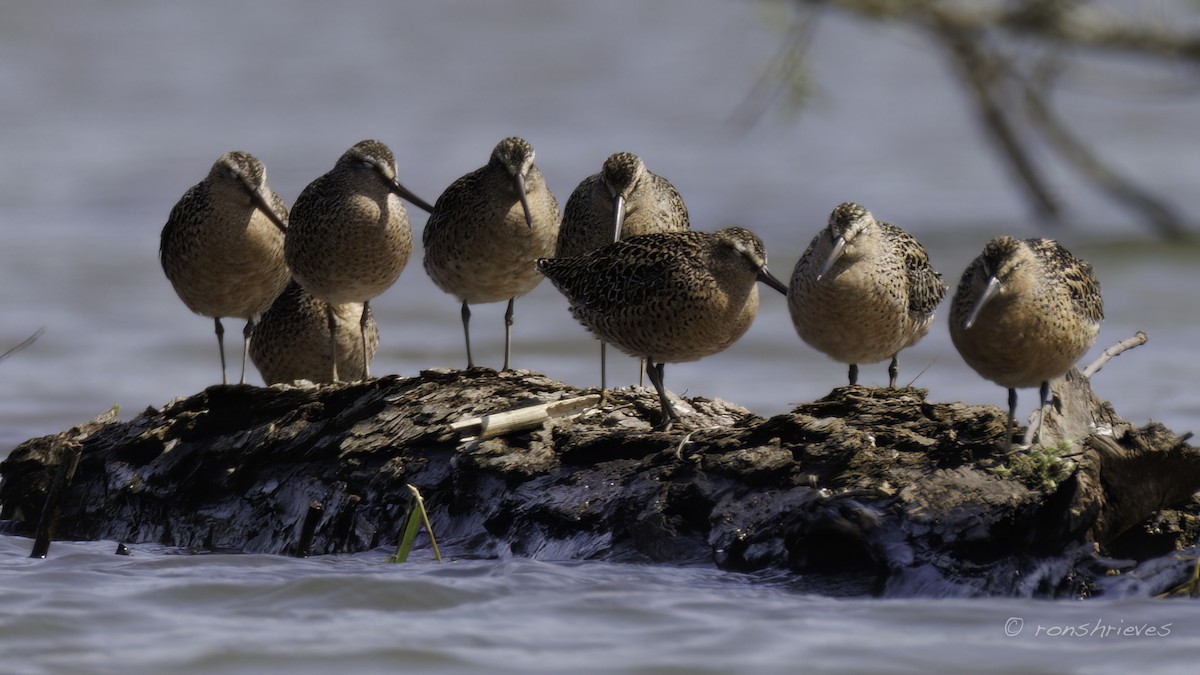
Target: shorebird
863	290
669	297
624	200
222	246
487	229
1024	313
350	237
291	341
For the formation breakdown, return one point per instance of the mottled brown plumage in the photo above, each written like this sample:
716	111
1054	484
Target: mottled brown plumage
668	297
648	203
623	200
1024	313
222	245
291	340
350	236
487	229
863	291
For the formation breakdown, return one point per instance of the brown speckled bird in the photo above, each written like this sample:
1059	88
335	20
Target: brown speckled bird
486	231
350	236
669	297
291	340
624	200
222	246
863	291
1024	313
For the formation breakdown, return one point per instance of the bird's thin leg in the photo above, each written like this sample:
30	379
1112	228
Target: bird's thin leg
1012	416
893	372
362	331
466	318
1044	407
655	372
246	332
641	373
221	346
603	372
331	324
508	322
853	374
662	392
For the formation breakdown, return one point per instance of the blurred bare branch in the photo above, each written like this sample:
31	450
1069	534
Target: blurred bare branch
983	74
1076	24
988	42
1164	217
24	343
785	72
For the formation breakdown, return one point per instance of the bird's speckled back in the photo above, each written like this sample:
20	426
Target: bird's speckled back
291	342
675	296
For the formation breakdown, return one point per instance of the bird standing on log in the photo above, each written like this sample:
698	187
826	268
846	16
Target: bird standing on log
863	291
624	200
350	237
291	341
1025	311
486	231
669	297
222	246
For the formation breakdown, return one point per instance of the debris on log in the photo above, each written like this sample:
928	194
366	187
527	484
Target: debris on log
868	490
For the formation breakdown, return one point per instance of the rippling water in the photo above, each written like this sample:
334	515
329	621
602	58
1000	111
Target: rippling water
109	112
87	610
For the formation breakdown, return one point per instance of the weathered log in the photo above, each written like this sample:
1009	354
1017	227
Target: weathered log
871	490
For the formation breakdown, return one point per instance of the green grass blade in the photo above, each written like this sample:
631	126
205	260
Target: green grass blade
425	519
408	529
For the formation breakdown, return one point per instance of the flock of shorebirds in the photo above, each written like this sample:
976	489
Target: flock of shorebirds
622	253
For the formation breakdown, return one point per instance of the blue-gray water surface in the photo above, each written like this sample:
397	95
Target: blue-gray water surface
87	610
109	112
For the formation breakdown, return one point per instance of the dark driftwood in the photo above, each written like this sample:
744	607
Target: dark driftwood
866	490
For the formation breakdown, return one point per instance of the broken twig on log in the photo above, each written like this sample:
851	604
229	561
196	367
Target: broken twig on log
522	419
1094	367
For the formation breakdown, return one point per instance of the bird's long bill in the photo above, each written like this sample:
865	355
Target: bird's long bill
520	180
990	292
260	200
765	276
839	245
408	195
618	217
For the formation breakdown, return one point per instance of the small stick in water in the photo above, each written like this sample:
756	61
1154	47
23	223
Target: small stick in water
68	461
